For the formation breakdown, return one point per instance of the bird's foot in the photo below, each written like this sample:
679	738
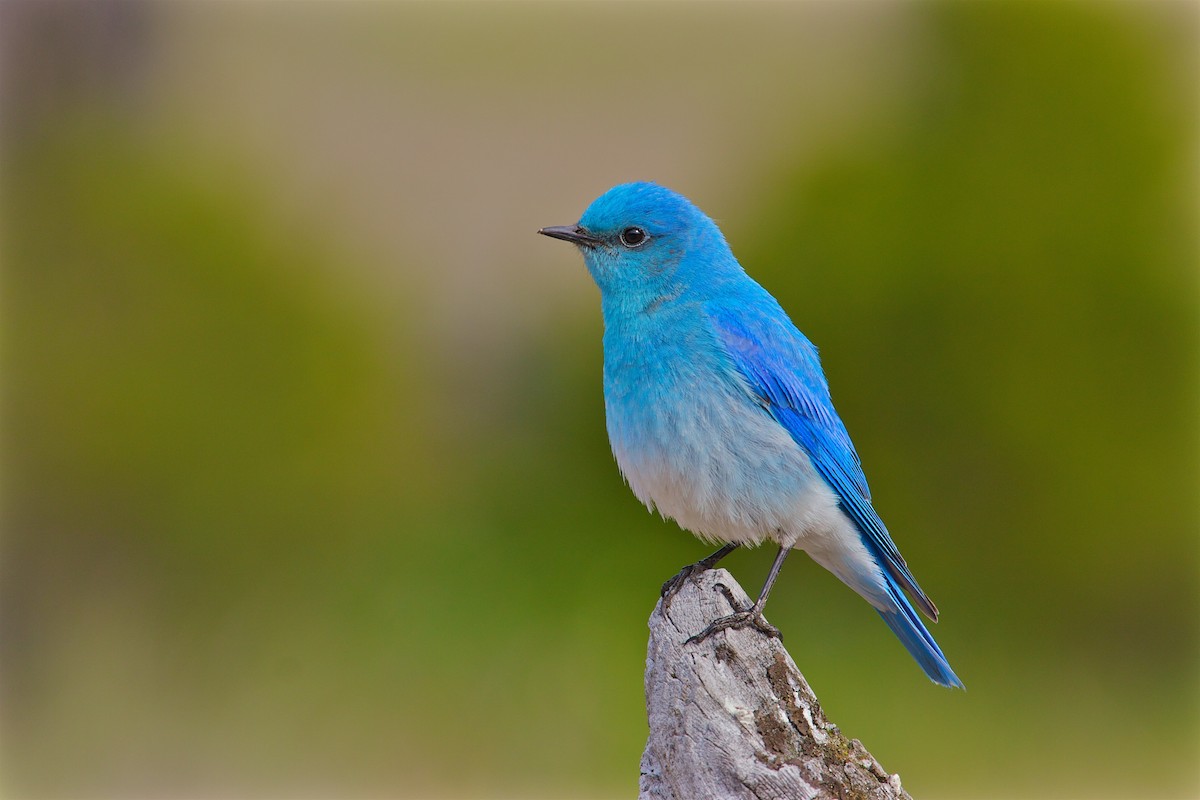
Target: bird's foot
742	619
676	581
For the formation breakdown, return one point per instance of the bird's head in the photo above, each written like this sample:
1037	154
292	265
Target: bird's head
641	240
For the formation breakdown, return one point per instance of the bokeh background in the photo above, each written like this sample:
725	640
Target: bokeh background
306	491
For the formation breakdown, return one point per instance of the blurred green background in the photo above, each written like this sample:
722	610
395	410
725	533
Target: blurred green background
306	490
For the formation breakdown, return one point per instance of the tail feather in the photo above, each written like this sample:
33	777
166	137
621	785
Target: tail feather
909	629
903	576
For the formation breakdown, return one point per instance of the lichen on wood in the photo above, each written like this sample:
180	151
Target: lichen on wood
732	717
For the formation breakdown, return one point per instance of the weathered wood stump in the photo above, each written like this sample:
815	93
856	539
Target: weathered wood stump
732	717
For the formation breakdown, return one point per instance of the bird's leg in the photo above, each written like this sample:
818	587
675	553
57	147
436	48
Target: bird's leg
753	615
674	584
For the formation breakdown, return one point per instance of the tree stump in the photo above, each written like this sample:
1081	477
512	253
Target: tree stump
732	717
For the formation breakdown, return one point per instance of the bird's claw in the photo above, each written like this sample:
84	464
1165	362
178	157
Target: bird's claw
741	619
676	581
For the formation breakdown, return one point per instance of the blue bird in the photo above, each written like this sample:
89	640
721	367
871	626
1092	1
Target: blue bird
719	414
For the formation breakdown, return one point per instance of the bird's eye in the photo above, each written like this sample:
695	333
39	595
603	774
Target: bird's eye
633	237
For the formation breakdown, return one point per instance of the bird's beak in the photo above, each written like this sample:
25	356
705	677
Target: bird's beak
571	233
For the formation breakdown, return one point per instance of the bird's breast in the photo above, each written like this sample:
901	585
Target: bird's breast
693	443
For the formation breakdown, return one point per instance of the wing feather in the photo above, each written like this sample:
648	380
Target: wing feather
782	369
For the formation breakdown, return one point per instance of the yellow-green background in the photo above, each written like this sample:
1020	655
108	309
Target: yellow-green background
306	486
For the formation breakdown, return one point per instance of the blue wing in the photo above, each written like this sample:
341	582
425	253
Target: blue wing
783	370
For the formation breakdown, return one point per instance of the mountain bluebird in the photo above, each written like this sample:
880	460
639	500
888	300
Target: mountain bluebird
719	414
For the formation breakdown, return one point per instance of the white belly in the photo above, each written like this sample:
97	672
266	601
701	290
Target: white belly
726	471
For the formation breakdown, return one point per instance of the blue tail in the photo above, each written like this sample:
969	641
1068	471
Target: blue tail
907	626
